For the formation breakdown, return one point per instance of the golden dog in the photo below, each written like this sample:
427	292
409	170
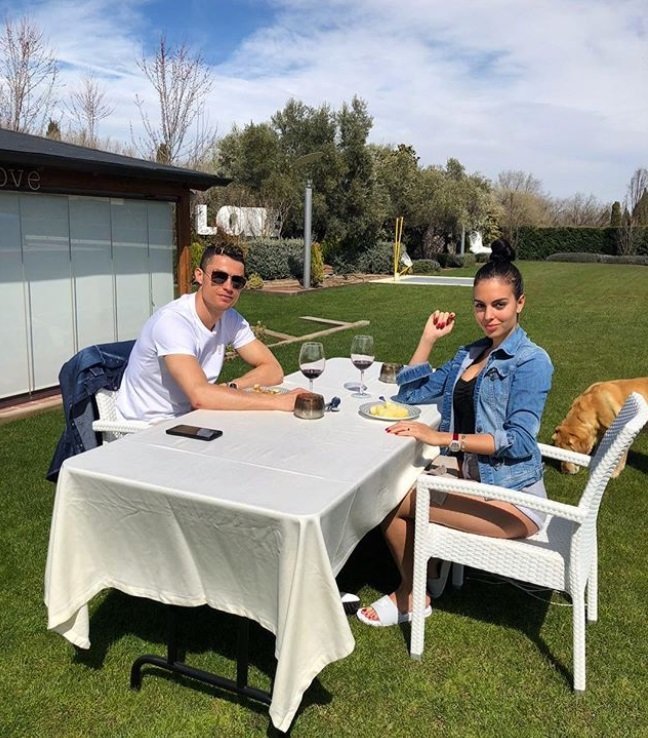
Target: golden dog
591	414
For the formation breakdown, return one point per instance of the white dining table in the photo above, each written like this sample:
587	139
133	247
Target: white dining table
256	523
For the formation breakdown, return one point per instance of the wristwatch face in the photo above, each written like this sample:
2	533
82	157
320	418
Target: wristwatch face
455	446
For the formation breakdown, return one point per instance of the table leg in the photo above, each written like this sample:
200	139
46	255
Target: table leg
173	664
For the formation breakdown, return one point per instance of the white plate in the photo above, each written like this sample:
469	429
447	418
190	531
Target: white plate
412	410
262	390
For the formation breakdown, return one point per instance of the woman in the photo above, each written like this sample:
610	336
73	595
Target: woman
494	393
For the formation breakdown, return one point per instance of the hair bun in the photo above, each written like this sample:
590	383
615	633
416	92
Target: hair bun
502	251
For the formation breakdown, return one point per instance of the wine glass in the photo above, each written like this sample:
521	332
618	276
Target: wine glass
311	360
362	356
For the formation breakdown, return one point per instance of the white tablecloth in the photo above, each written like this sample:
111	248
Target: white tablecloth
257	522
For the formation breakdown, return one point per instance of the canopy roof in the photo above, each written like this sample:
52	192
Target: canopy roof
36	151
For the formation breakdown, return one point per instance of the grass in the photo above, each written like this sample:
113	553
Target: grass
497	661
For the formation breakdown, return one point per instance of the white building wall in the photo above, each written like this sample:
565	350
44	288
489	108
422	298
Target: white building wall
75	271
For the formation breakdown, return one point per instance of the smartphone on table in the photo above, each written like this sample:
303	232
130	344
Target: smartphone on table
193	431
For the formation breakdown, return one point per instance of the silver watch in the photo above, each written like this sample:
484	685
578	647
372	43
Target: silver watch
455	444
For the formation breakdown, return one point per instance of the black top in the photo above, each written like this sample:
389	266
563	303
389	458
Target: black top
464	405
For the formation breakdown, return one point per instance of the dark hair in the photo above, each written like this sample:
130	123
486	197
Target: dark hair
500	266
234	252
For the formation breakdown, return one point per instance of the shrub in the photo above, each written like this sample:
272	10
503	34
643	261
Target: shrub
468	259
640	259
376	259
259	330
330	250
273	259
577	256
197	249
317	265
255	282
456	260
585	258
425	266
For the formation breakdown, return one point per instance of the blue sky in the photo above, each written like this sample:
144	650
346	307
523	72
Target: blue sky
558	88
214	28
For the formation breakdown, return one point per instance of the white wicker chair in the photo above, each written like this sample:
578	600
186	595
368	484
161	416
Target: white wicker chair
562	556
108	424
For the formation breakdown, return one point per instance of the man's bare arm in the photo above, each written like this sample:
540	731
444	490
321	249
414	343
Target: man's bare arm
191	379
266	370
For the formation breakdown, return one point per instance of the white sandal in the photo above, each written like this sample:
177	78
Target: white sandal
388	613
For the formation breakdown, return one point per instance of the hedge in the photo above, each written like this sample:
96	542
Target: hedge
539	243
637	259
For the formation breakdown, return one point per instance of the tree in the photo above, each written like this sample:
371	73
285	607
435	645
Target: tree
253	158
398	177
250	156
635	212
637	198
28	73
308	149
522	201
615	215
640	212
447	202
626	236
53	130
636	190
87	106
357	212
181	82
579	210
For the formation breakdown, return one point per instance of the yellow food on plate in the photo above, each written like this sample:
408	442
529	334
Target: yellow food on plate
266	390
389	410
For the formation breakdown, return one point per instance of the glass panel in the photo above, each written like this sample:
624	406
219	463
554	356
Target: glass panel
14	356
161	246
46	255
131	265
92	270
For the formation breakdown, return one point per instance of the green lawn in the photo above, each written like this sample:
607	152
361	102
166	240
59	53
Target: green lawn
497	660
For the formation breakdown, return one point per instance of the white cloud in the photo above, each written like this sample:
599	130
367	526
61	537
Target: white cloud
554	87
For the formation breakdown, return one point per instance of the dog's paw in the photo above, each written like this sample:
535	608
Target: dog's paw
568	468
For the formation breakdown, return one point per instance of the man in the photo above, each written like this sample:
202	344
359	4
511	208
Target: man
180	352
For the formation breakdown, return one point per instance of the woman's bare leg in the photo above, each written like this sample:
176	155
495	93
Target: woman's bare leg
470	514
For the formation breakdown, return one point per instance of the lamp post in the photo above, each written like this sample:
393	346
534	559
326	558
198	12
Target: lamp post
308	218
308	214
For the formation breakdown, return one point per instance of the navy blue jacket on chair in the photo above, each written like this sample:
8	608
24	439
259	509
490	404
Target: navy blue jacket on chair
93	368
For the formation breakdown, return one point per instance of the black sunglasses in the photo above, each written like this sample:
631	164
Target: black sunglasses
218	277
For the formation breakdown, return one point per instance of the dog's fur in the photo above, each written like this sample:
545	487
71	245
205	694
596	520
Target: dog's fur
591	414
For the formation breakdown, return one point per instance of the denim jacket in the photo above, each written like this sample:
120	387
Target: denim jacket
93	368
510	395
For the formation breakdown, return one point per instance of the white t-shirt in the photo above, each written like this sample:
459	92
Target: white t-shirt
148	391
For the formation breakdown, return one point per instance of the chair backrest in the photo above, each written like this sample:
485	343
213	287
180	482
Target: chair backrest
615	443
106	400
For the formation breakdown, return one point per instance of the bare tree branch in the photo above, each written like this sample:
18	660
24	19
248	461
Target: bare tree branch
181	82
28	73
86	107
636	190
